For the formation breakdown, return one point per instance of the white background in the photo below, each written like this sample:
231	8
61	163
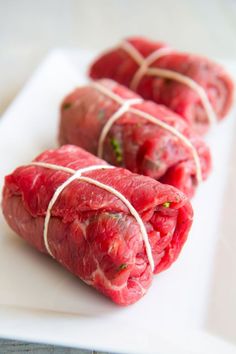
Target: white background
191	309
30	28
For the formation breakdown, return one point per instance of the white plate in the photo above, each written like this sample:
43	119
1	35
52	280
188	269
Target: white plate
190	308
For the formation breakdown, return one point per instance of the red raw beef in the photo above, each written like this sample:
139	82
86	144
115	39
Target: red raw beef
91	231
117	64
133	142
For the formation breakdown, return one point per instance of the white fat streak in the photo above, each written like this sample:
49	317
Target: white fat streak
148	117
77	175
143	290
106	282
144	69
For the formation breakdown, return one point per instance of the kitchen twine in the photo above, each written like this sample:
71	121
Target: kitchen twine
126	107
77	175
145	69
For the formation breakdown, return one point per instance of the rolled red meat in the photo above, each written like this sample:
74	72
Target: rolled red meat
122	63
91	231
132	141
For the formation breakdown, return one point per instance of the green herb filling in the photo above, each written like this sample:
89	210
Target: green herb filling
101	114
117	149
66	105
123	266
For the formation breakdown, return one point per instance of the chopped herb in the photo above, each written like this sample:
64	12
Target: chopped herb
66	105
122	266
114	215
117	149
101	114
166	204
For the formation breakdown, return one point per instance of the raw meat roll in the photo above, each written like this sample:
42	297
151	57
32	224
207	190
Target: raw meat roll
194	87
111	121
108	226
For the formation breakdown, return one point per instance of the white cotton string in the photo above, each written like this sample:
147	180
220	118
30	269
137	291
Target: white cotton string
132	212
143	63
175	132
132	51
148	117
123	108
58	191
107	92
77	176
144	69
169	74
52	166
